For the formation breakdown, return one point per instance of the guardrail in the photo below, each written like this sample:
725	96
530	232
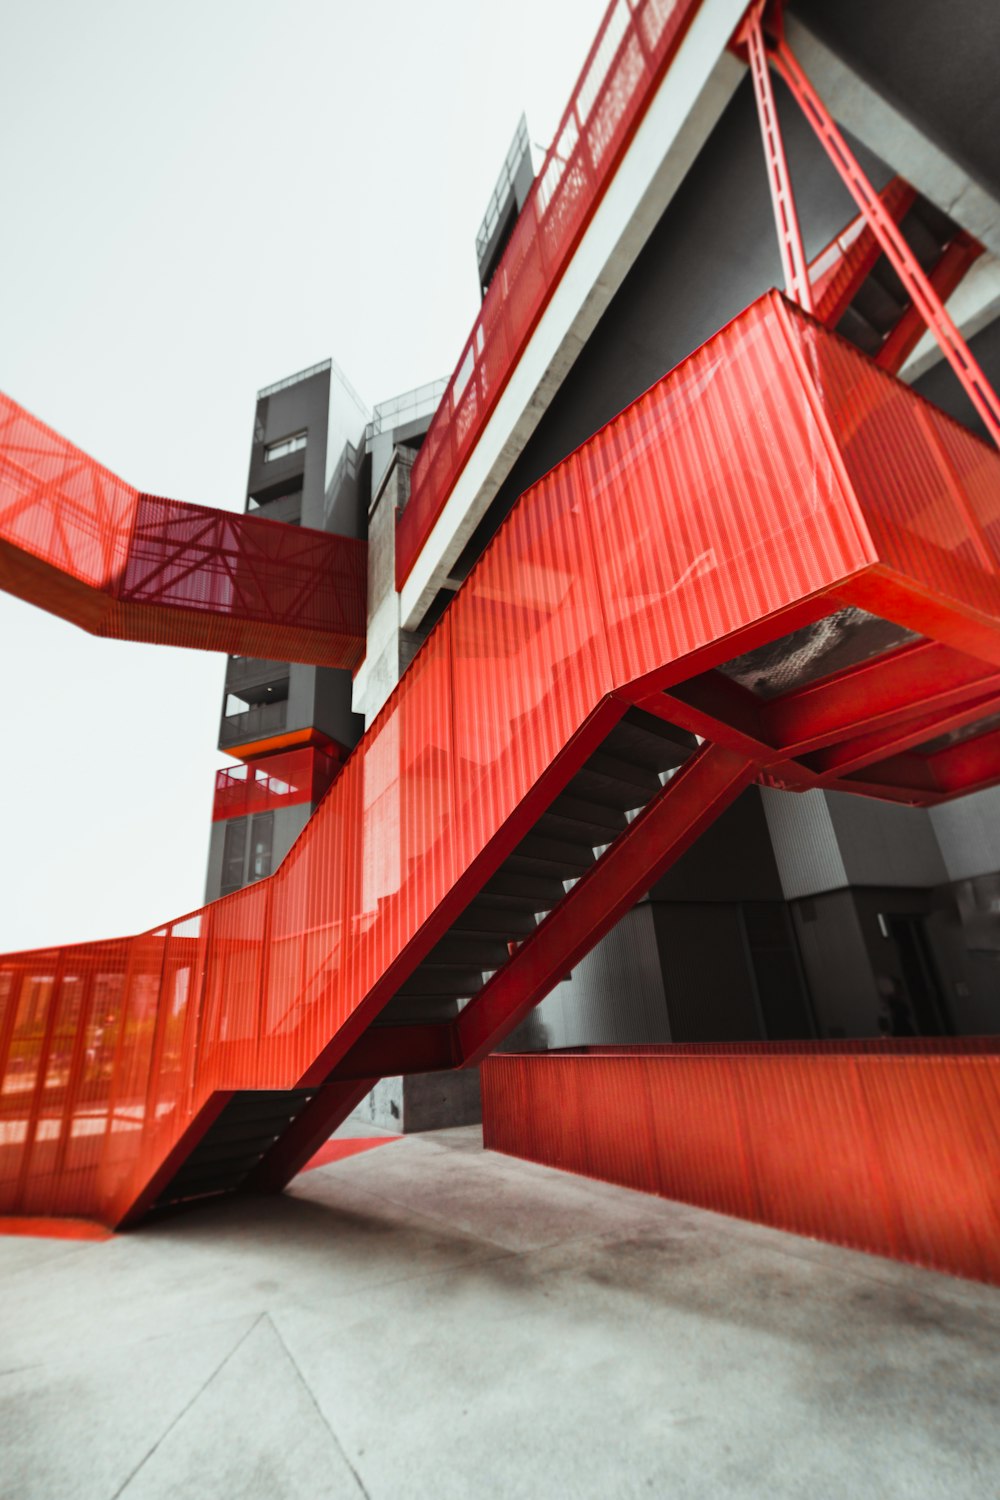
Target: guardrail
284	780
632	49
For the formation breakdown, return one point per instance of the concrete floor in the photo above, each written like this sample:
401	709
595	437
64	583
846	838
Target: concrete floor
426	1319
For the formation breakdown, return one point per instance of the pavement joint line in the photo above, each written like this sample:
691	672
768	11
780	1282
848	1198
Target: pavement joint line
319	1410
188	1405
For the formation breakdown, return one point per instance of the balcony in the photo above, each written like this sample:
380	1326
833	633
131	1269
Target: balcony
254	672
283	780
253	723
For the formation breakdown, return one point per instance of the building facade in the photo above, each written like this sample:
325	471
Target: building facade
797	915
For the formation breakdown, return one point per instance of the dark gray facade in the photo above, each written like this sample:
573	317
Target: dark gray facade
306	469
795	916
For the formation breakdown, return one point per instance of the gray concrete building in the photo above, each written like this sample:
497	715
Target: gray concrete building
812	915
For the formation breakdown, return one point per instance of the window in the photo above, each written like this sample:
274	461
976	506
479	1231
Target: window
284	446
261	843
233	855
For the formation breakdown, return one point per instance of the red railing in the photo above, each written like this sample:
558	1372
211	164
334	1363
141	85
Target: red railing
635	43
284	780
772	478
891	1147
81	543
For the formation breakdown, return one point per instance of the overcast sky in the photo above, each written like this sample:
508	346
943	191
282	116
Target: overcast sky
200	198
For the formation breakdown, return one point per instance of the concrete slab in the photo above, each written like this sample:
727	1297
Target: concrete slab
431	1320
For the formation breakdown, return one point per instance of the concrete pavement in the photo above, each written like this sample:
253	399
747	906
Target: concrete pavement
428	1319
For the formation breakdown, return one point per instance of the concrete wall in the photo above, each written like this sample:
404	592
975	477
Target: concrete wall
836	960
899	46
615	994
423	1101
884	843
968	833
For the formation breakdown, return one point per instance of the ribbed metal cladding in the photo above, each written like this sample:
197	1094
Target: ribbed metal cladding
724	495
529	650
711	503
929	488
805	845
886	1148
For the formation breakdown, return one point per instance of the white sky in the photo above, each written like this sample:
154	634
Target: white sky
199	199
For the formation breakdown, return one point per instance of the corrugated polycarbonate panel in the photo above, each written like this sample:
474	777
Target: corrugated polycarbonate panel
722	498
530	653
408	856
710	504
929	489
877	1148
232	990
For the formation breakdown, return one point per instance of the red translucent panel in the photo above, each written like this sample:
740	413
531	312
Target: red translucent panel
284	780
530	652
633	47
59	506
81	543
708	508
928	488
880	1146
716	498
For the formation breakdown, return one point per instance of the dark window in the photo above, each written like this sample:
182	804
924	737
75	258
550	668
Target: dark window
284	446
234	854
261	844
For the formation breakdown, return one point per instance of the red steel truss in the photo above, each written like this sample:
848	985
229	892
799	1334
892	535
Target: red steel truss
925	298
786	219
779	547
83	544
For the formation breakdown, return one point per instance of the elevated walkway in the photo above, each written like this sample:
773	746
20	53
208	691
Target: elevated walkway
81	543
777	564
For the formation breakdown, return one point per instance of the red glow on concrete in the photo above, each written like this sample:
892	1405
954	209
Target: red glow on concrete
56	1229
340	1150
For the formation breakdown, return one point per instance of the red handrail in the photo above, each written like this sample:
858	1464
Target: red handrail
623	69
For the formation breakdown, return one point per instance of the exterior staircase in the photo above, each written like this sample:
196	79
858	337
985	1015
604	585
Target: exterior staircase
565	732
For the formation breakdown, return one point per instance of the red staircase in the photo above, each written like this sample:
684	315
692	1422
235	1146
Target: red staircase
778	564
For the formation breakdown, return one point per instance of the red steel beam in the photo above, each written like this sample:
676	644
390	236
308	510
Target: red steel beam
852	755
956	260
793	258
384	1051
917	285
303	1138
925	676
839	271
